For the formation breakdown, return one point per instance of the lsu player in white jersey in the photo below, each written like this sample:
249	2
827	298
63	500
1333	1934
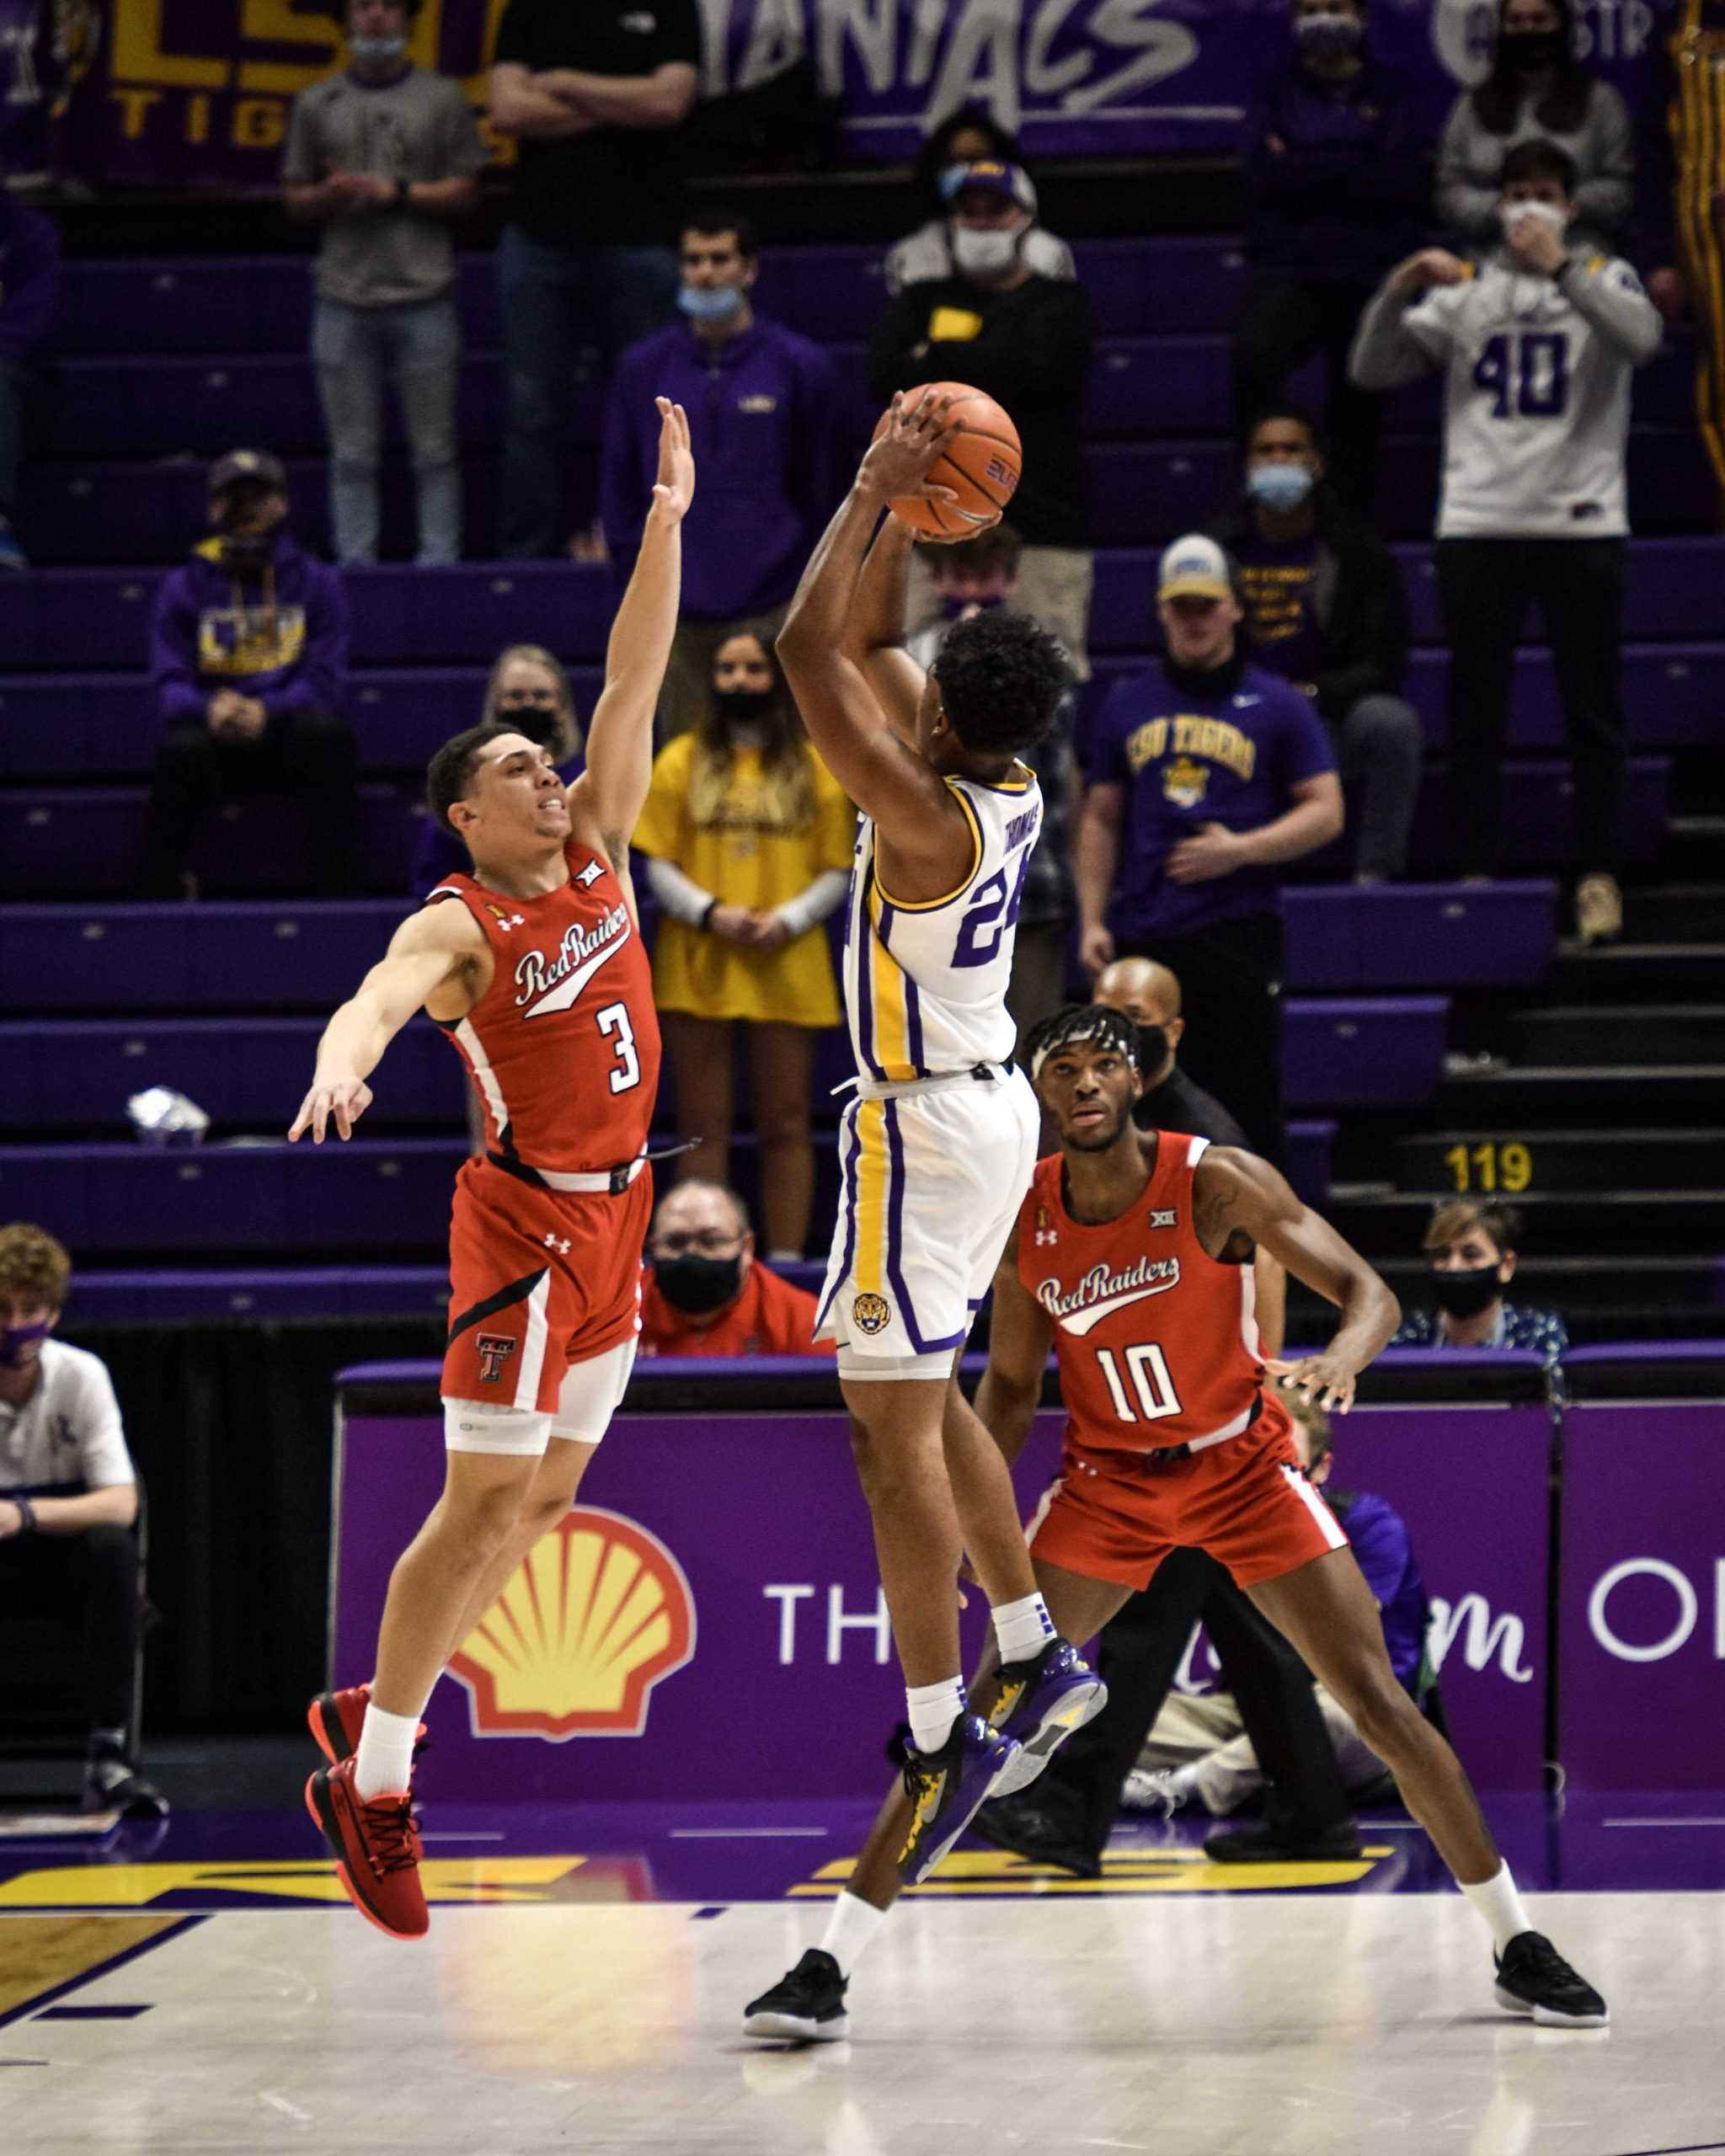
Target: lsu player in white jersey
939	1144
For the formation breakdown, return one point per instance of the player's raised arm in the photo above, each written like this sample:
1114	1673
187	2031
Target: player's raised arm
1238	1191
436	947
1020	1337
874	627
886	777
606	800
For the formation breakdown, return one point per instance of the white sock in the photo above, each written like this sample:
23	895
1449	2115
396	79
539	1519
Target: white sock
1500	1905
853	1922
1022	1630
384	1764
933	1709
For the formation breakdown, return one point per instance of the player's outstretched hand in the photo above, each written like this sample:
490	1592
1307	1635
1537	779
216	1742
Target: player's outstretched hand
898	465
1325	1380
344	1099
674	487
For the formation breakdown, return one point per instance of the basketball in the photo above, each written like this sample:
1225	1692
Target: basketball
981	467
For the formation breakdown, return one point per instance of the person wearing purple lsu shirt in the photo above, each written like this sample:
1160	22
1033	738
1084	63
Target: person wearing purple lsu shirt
1206	773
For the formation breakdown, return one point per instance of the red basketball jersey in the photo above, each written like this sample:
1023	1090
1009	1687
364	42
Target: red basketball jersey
1158	1342
563	1048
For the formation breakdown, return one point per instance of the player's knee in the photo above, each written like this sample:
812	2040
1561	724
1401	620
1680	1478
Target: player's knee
1387	1719
541	1514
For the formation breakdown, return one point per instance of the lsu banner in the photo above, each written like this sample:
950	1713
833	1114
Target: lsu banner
197	92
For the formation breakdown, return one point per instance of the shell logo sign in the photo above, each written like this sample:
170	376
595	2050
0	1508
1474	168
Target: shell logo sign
599	1611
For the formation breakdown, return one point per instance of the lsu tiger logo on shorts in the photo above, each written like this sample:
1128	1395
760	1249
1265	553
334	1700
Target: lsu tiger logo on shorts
871	1314
494	1350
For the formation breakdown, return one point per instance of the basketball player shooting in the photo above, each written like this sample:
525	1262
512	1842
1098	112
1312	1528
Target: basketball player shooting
1132	1260
534	966
937	1148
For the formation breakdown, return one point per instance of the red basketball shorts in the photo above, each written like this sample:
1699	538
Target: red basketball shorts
1110	1516
537	1279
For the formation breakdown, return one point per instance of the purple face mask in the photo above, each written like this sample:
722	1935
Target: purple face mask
15	1338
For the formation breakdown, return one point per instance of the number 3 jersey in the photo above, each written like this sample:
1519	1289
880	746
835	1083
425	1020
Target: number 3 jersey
1536	395
925	983
1156	1342
563	1048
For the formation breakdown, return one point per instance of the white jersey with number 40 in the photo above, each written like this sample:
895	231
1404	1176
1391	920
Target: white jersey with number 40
925	983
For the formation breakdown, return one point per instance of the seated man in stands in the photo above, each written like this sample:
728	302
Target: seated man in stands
29	291
1470	1244
247	664
708	1293
1198	1747
68	1501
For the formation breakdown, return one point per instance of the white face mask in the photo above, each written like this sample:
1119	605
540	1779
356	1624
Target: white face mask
984	254
1546	212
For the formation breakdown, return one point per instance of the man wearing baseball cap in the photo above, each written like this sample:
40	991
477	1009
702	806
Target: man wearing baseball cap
247	664
1206	773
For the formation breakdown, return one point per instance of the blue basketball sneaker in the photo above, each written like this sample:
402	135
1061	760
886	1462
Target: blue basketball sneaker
947	1787
1041	1703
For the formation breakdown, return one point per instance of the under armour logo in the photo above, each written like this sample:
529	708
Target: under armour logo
1167	1219
1047	1236
590	875
514	920
560	1244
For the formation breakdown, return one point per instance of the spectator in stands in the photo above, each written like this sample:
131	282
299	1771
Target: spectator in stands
594	94
1538	349
1198	1745
1537	90
530	686
1333	184
1325	609
1472	1243
248	667
1206	773
1025	338
748	843
30	294
706	1291
966	579
68	1506
970	135
766	422
384	155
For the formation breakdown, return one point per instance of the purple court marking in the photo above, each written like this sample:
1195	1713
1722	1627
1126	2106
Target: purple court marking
31	2008
92	2013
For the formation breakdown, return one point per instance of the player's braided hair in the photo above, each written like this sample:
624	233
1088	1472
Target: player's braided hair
1095	1023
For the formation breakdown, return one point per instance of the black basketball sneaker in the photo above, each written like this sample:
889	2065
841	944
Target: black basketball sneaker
946	1786
805	2006
1533	1978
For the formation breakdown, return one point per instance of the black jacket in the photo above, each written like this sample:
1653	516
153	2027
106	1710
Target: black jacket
1359	602
1176	1104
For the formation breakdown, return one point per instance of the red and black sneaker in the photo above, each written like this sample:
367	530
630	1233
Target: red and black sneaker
336	1718
377	1849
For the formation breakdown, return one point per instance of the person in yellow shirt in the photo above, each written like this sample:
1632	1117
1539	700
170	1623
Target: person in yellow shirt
749	841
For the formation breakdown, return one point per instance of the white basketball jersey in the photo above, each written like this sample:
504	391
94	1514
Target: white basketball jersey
926	985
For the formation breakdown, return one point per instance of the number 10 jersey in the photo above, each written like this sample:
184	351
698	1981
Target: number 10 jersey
925	982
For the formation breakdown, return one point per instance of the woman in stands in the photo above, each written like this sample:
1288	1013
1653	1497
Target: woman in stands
1538	87
749	842
530	688
964	135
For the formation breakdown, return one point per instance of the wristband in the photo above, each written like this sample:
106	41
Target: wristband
26	1515
711	907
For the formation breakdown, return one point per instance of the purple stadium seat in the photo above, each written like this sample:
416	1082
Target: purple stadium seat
1344	1053
185	1296
1539	812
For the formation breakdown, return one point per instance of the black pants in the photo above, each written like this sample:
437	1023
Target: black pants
1484	585
1231	992
310	755
90	1580
1283	320
1138	1654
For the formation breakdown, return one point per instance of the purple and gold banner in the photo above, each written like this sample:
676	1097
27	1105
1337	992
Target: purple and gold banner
197	92
709	1617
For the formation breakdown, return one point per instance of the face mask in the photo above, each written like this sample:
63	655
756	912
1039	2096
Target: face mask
738	707
1328	37
695	1286
540	725
710	303
1465	1294
1278	486
376	51
15	1338
246	554
984	254
956	609
1152	1051
1525	50
1547	214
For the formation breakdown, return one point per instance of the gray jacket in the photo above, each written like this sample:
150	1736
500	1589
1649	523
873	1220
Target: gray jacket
1469	158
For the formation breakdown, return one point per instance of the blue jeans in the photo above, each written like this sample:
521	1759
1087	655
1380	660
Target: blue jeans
419	347
558	302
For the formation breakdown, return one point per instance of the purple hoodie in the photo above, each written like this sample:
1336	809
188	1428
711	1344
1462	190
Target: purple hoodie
283	640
